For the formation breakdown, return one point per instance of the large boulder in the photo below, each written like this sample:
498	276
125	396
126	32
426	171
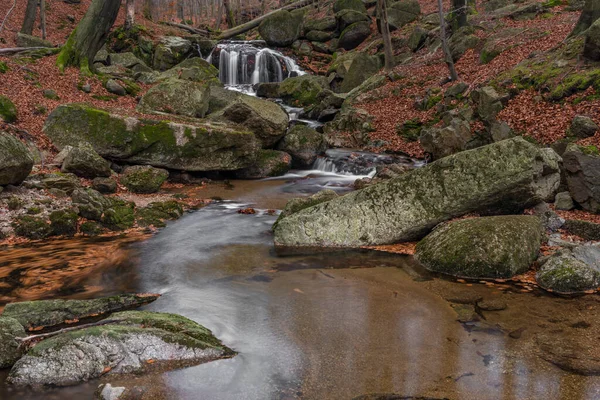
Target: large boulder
345	18
591	49
300	203
326	24
144	178
171	51
129	345
16	160
583	127
201	146
402	13
125	60
356	5
302	90
304	144
506	176
192	69
488	247
85	162
10	350
361	68
8	111
354	35
177	96
281	29
442	142
583	177
269	163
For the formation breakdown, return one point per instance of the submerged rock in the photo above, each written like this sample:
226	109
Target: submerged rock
488	247
135	340
199	146
47	313
506	176
16	160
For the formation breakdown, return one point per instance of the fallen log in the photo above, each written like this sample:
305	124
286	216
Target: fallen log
186	27
229	33
15	50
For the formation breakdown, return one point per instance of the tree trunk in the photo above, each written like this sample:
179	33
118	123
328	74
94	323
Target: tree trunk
129	14
43	18
445	48
460	12
229	14
30	15
90	35
589	15
219	17
385	33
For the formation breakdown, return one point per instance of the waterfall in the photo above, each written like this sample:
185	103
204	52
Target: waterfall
249	63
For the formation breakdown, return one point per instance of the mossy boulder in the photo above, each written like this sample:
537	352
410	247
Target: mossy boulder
129	345
326	24
402	13
171	51
563	273
63	222
83	161
198	146
304	144
90	203
119	216
268	89
300	203
356	5
361	69
125	60
488	247
193	69
177	96
25	40
302	90
504	177
582	173
144	178
61	181
8	110
31	227
154	214
104	185
319	36
90	228
347	17
461	41
269	163
16	161
10	350
281	28
354	35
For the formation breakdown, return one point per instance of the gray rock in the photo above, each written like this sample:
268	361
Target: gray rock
144	178
402	13
300	203
585	229
110	392
10	351
457	89
361	69
177	96
589	254
60	157
563	273
487	247
281	28
488	103
354	35
563	201
268	89
442	142
16	161
25	40
171	51
500	130
302	90
583	127
583	177
63	181
502	177
126	60
304	144
91	203
83	161
551	220
112	86
104	185
417	39
269	163
50	94
356	5
192	69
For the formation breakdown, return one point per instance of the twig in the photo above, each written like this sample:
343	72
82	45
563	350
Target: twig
7	14
28	339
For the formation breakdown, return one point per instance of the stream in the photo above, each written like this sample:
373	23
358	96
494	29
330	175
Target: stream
321	326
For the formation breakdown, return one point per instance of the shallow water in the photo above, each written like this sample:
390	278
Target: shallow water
326	326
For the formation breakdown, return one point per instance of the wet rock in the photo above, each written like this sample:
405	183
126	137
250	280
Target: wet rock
281	28
302	90
90	203
268	164
585	229
16	160
574	353
268	89
112	86
144	178
10	330
48	313
564	273
354	35
304	144
564	201
465	313
104	185
442	142
583	127
492	305
8	111
110	392
154	214
298	204
177	96
74	357
198	146
463	297
488	247
85	162
502	177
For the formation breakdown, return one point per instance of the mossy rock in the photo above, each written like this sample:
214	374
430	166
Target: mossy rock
269	163
83	161
144	178
302	90
356	5
90	203
193	69
565	274
354	35
8	110
10	348
402	13
30	227
177	96
300	203
326	24
154	214
16	161
361	69
281	28
119	216
347	17
63	222
90	228
25	40
304	144
461	41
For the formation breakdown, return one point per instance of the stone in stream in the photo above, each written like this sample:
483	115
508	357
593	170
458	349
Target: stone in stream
269	163
302	90
567	272
16	160
503	177
10	331
487	247
300	203
127	344
197	146
47	313
177	96
304	144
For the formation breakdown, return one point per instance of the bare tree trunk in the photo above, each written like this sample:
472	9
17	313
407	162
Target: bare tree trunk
30	16
445	48
229	14
43	18
460	13
129	14
589	15
385	33
219	17
90	35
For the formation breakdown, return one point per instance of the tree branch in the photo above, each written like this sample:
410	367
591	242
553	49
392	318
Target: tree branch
7	15
186	27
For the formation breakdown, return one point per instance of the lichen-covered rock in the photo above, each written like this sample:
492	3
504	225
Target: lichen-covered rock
488	247
199	146
85	162
488	103
31	227
124	347
502	177
347	17
126	60
154	214
8	111
48	313
356	5
281	28
269	163
65	182
104	185
442	142
302	90
564	201
583	127
326	24
10	331
90	203
177	96
583	177
300	203
564	273
119	216
144	178
585	229
362	68
171	51
304	144
16	160
402	12
354	35
192	69
63	222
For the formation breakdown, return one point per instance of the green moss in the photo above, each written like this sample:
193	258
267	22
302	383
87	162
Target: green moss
31	227
90	228
577	82
590	150
432	101
155	213
34	210
8	111
3	67
120	216
14	203
63	222
410	130
552	3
